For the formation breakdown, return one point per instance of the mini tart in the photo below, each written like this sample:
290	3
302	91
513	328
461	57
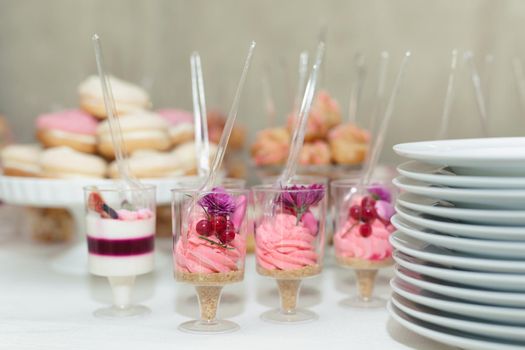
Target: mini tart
72	128
65	162
141	130
21	160
187	159
128	97
150	164
271	146
315	153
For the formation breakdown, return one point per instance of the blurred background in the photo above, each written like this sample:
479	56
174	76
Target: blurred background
46	51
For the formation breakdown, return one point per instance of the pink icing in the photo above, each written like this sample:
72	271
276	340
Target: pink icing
195	255
285	245
176	116
350	243
129	215
71	120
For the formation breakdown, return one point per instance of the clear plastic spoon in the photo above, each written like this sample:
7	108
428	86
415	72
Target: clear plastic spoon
449	96
225	137
380	138
303	71
129	181
478	90
358	81
300	130
202	144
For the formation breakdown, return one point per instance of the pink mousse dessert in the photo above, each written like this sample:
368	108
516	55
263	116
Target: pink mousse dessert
120	242
288	243
211	249
361	241
73	128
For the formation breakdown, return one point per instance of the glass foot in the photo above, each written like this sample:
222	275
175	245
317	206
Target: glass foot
298	316
358	302
213	327
118	312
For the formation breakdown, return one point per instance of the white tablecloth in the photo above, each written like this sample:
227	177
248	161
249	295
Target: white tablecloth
44	308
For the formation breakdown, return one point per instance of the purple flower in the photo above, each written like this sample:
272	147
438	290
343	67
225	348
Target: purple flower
218	202
298	199
380	193
384	210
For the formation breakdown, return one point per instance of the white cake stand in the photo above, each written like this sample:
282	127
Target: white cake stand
69	194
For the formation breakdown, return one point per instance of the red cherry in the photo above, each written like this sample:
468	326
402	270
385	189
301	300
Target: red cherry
368	214
230	226
368	202
355	212
226	236
218	224
365	230
203	228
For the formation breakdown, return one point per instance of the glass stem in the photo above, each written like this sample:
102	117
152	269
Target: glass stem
209	297
365	283
121	287
289	290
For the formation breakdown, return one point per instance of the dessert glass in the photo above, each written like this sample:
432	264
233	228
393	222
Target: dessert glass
289	242
362	229
120	229
209	248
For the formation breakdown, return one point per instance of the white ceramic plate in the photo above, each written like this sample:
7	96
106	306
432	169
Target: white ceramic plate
454	290
487	280
488	156
506	315
447	210
471	197
502	233
424	251
463	324
510	251
442	175
449	336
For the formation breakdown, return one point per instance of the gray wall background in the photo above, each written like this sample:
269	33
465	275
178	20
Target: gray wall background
45	51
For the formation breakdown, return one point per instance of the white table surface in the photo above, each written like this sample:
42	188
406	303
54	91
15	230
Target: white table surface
43	308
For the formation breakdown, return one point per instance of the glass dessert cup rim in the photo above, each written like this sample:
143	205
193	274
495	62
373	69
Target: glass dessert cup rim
192	182
309	179
270	188
119	189
354	182
194	191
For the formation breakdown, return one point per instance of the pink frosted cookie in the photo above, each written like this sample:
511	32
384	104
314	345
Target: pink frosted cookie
72	128
181	124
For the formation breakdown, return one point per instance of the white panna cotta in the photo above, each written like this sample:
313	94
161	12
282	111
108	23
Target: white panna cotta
120	247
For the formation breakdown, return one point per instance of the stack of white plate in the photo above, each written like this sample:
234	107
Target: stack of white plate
460	242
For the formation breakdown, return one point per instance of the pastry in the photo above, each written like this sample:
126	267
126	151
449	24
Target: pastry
180	125
150	164
315	153
72	128
128	97
140	130
21	160
6	135
65	162
271	146
216	122
349	144
324	115
51	225
187	159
